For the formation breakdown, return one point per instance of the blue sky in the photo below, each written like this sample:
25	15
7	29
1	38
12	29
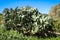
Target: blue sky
43	5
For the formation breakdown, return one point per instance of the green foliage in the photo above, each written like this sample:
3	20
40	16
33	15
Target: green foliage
57	25
15	35
1	19
10	35
28	21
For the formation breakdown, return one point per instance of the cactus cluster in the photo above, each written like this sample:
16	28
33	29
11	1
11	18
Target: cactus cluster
27	20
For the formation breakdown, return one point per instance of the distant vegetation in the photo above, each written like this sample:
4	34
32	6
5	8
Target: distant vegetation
55	11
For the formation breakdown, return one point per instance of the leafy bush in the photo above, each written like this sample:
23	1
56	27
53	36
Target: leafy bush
28	21
57	25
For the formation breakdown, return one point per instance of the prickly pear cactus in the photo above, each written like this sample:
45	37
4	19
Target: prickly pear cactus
27	20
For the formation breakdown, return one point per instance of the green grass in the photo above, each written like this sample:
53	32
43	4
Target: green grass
14	35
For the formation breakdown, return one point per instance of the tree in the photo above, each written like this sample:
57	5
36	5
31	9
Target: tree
55	11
